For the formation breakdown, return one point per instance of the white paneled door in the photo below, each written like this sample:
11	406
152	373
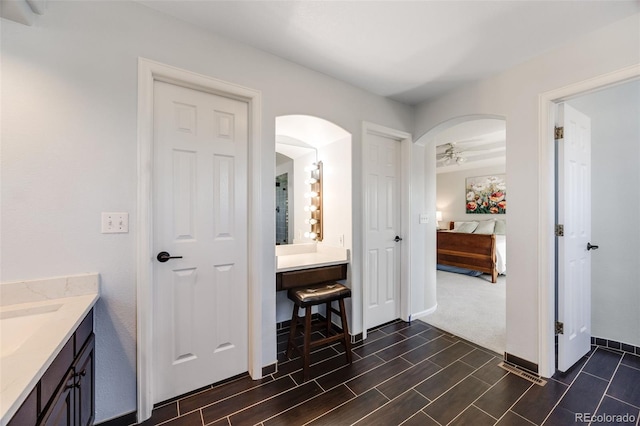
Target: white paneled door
382	212
200	329
574	253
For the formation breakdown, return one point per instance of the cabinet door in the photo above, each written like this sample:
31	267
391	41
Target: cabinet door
85	384
28	412
62	411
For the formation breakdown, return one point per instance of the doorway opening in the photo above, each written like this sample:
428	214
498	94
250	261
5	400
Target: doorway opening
610	286
546	265
471	213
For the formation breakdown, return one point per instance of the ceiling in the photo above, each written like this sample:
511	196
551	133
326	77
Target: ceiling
409	51
481	143
298	135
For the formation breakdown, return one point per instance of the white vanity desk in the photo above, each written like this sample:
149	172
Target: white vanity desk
304	264
302	256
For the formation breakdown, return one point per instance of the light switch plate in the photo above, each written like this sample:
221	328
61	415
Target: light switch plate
424	217
115	223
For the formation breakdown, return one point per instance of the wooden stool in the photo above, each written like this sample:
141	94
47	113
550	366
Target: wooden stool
307	297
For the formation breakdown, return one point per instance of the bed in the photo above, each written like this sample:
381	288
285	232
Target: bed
462	251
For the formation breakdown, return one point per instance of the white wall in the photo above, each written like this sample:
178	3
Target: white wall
336	193
69	152
451	198
615	175
514	95
422	236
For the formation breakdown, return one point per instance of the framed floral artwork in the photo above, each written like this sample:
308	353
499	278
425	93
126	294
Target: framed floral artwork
486	195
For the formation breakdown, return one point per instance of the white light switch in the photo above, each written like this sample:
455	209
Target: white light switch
115	223
424	217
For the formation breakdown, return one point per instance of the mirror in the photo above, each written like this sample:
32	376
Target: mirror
292	156
300	141
283	234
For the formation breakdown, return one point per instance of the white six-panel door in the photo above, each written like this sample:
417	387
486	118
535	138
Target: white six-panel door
574	213
382	224
200	330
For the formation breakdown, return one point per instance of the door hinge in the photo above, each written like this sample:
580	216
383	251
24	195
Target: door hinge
559	230
559	327
559	133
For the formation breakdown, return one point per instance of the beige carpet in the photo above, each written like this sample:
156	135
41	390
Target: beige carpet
472	308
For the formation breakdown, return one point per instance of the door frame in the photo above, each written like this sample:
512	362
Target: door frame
148	72
546	177
405	139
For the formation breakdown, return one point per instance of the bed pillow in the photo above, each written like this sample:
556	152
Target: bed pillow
456	225
485	227
501	227
466	227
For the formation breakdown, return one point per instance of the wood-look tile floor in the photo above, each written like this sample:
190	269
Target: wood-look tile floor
413	374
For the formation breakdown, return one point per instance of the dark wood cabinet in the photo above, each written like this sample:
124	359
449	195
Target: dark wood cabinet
303	277
62	410
28	412
73	405
85	385
65	395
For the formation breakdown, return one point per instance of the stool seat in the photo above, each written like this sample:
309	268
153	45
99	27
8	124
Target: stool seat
306	298
317	294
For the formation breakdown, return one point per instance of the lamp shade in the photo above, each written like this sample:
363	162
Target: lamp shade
438	216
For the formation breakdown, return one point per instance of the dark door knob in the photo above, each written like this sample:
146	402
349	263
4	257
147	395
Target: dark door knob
397	239
163	256
591	247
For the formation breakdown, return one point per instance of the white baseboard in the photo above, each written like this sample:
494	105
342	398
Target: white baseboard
423	313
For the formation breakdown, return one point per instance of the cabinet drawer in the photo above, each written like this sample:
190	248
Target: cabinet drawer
292	279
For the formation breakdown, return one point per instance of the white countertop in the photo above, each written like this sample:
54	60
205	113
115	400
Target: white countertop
306	256
293	262
34	332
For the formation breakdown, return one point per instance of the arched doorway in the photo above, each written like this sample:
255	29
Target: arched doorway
466	156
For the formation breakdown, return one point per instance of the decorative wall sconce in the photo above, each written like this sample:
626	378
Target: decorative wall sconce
315	201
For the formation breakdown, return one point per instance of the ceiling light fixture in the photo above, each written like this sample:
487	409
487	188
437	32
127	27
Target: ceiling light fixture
451	155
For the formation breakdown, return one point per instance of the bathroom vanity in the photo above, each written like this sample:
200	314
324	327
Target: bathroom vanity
305	264
48	349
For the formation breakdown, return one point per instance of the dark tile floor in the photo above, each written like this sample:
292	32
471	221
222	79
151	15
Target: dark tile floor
414	374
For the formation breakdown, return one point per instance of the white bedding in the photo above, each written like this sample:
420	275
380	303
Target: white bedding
501	254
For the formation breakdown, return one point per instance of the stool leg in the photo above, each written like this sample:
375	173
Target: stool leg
292	331
307	343
328	309
345	330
